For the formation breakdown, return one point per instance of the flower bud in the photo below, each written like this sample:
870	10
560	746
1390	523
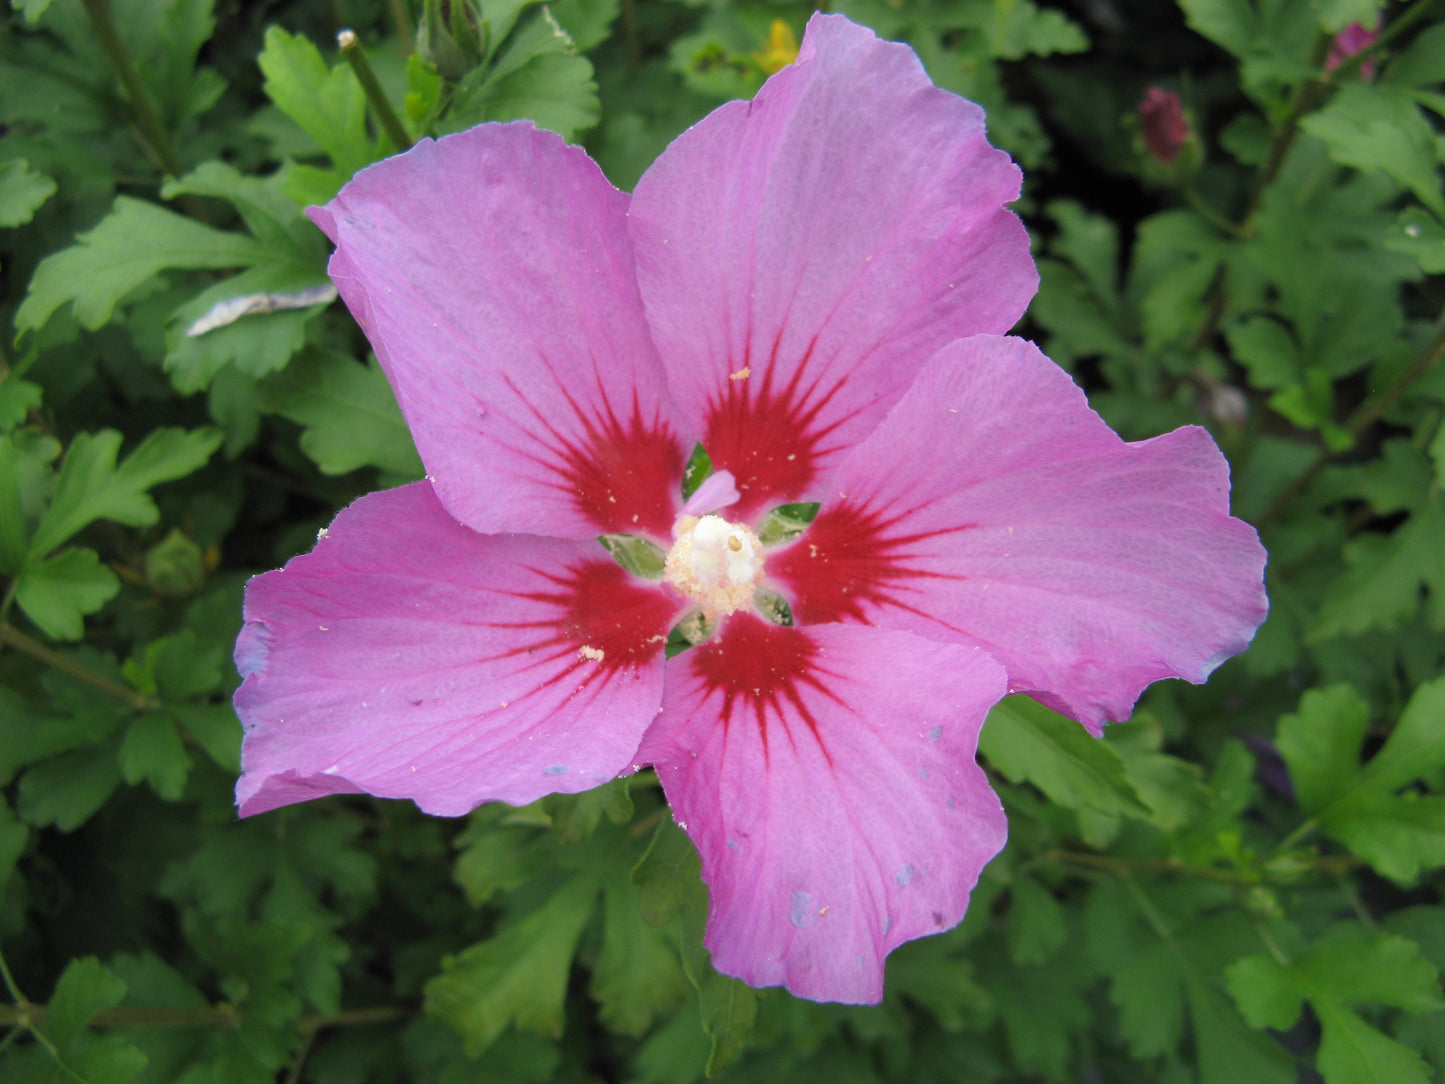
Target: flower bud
1349	41
1165	128
451	36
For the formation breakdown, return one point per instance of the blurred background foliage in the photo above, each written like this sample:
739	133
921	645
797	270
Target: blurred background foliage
1241	885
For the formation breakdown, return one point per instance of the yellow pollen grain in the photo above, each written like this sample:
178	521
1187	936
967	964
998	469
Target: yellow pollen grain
742	374
587	651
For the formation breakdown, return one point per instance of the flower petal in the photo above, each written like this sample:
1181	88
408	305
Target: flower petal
994	508
410	657
493	274
828	779
802	255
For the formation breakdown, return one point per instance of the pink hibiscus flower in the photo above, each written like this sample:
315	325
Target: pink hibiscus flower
814	285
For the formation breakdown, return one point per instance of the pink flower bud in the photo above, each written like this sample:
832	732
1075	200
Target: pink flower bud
1165	128
1347	43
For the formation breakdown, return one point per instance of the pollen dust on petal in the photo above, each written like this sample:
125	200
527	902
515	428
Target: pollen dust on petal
742	374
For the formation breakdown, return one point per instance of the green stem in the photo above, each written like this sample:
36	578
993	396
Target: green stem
13	637
351	49
10	986
401	23
141	103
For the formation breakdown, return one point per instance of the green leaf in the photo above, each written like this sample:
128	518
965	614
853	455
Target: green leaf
1172	788
17	399
1381	128
215	728
1420	236
518	977
91	486
576	816
1352	1052
669	876
1422	64
152	751
1036	927
1021	29
1321	744
67	790
1161	946
1030	743
130	247
22	192
59	591
637	976
1335	15
270	217
326	103
536	75
1399	834
349	412
85	987
1229	23
1382	586
1350	970
1176	258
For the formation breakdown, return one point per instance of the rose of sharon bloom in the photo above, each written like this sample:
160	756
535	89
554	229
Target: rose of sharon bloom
1164	125
814	286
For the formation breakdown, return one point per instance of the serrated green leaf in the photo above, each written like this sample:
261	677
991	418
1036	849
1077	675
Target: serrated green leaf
1229	23
107	1060
59	591
349	412
1029	743
1381	128
67	790
17	399
258	344
270	217
152	751
26	481
1321	744
669	876
576	816
637	976
1021	29
729	1012
326	103
1265	992
1399	834
1036	927
130	247
535	75
1176	258
1382	586
22	192
518	977
215	728
1352	1052
1351	970
91	486
85	987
